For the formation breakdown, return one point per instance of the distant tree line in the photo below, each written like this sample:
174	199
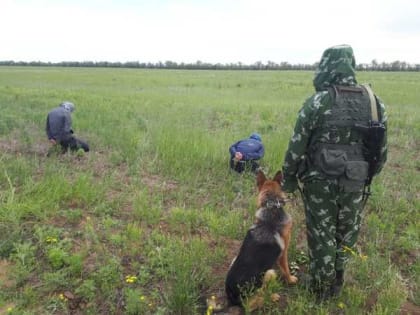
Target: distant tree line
199	65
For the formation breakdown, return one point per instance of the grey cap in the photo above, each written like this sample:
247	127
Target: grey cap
68	106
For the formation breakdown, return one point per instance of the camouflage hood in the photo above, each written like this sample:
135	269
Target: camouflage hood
337	66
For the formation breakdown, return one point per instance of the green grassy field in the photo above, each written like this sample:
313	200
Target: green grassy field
149	220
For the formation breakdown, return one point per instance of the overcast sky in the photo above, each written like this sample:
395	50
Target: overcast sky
225	31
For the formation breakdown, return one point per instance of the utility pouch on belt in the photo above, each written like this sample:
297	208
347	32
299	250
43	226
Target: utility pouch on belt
332	162
344	163
354	177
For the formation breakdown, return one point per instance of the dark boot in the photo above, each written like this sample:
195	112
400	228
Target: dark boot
323	294
338	283
237	166
254	166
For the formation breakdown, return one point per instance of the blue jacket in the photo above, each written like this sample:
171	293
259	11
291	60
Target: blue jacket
251	149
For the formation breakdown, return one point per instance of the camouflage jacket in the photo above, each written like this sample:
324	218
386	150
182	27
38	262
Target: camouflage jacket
336	68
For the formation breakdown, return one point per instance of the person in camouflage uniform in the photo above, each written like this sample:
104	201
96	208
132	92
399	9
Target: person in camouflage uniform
327	154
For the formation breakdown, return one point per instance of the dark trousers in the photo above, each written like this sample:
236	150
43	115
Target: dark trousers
241	166
73	144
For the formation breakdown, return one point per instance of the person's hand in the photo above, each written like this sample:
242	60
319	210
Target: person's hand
238	156
53	142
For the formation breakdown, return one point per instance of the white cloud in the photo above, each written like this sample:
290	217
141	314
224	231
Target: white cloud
213	31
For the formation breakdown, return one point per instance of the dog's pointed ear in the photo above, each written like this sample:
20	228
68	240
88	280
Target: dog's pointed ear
278	177
260	178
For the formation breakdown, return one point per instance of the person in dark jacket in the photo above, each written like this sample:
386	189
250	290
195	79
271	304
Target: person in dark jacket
59	129
245	153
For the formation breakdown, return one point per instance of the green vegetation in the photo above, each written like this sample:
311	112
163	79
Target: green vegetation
149	220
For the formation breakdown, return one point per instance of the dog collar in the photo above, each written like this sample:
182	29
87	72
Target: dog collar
276	204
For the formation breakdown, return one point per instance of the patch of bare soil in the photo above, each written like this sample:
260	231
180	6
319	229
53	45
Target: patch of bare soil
15	147
407	308
8	145
12	144
157	182
405	258
410	309
5	281
301	236
220	271
371	302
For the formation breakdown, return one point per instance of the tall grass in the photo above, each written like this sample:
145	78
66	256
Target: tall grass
154	199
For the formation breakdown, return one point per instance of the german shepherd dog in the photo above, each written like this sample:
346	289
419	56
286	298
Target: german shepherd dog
265	243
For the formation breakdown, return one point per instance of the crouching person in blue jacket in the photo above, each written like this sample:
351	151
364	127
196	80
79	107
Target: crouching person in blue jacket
245	153
59	129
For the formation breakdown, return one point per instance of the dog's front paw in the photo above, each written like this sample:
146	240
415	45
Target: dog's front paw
275	297
292	280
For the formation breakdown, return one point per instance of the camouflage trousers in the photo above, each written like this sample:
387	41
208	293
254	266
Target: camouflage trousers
333	220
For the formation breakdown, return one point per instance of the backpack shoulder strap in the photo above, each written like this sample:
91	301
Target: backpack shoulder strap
372	100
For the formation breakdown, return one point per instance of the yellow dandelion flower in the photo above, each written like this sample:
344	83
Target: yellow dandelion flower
341	305
347	249
363	257
62	297
209	310
9	309
51	239
142	298
130	279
